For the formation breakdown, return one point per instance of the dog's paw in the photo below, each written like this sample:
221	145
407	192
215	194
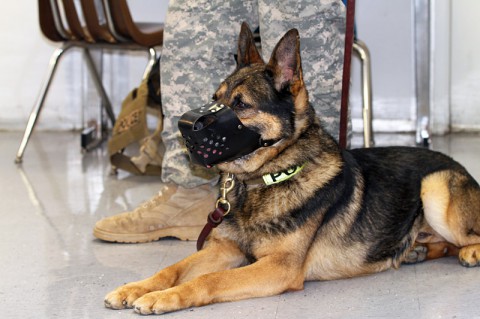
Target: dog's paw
159	302
469	256
124	296
416	255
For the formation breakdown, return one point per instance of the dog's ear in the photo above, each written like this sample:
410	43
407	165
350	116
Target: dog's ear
285	62
247	51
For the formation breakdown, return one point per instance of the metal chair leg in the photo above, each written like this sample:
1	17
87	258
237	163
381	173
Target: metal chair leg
37	108
152	57
99	85
422	70
57	54
361	50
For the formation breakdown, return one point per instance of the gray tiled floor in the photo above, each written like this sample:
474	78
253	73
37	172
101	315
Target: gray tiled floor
52	267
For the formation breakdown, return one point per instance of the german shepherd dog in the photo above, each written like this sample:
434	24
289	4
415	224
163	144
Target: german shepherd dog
337	214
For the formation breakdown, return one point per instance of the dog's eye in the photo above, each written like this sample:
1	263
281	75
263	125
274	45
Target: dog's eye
242	105
238	104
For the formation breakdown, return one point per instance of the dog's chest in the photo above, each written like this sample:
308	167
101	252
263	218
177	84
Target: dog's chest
261	222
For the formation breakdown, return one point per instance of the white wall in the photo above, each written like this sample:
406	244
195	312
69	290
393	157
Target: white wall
465	65
24	55
386	27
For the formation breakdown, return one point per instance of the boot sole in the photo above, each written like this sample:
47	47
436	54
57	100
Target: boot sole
182	233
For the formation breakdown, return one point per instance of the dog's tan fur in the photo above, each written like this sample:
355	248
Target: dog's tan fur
321	224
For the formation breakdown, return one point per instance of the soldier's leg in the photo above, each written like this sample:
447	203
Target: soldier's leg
200	40
197	55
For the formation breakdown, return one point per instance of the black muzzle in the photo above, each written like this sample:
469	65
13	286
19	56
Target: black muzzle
214	134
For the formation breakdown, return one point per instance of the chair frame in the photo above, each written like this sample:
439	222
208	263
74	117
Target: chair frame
361	51
54	30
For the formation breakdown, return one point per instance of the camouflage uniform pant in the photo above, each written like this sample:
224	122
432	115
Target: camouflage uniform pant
200	41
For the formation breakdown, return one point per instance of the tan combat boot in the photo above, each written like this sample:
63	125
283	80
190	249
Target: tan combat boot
174	212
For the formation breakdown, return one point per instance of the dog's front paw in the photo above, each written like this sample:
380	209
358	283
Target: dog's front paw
124	296
416	255
159	302
469	256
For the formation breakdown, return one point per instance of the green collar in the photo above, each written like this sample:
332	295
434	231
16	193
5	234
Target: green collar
275	178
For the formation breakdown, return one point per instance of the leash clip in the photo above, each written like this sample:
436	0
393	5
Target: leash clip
222	208
225	188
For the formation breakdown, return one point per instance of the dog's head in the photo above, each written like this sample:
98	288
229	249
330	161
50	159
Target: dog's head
268	99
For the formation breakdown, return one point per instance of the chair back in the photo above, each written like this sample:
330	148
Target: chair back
49	19
92	15
120	15
144	34
72	16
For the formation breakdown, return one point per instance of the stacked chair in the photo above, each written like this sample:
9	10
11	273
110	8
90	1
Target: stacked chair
60	21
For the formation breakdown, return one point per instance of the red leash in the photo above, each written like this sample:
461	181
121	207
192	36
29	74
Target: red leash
347	61
222	208
214	219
